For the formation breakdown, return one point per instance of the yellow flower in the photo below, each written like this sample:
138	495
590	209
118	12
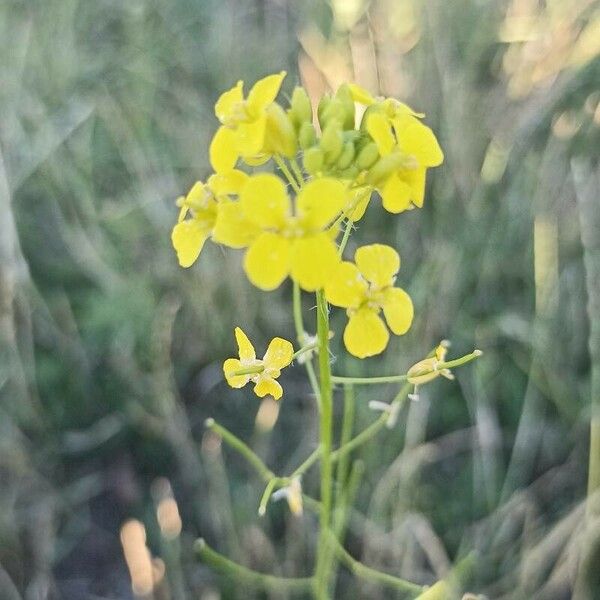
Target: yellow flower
254	127
287	243
262	372
364	289
407	148
202	204
428	368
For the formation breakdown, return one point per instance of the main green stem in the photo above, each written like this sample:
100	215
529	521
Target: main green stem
323	566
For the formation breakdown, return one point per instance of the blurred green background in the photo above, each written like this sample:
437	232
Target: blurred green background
110	354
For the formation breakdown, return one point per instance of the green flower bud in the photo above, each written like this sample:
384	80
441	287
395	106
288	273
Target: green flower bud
344	96
322	106
334	111
314	159
350	173
346	157
332	142
300	107
367	156
280	135
384	167
307	136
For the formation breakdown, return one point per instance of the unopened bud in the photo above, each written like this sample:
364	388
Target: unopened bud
334	111
367	156
332	142
314	159
307	136
281	136
384	167
345	97
346	157
350	173
300	107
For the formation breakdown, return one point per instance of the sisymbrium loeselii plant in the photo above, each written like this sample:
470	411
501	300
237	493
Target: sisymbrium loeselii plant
295	221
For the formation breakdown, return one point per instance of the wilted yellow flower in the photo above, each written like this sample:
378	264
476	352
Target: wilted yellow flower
293	494
364	289
262	372
202	204
283	242
254	127
407	149
428	369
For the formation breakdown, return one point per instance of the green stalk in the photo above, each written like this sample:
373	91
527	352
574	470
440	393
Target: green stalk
300	334
347	423
248	576
457	362
265	473
323	566
288	175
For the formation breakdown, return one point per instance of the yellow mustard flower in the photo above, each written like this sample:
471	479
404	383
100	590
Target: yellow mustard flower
262	372
201	205
428	369
365	288
281	241
410	148
254	127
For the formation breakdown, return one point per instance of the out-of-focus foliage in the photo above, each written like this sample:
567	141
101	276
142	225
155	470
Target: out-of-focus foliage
110	353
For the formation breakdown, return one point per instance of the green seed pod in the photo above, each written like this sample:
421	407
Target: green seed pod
367	156
313	160
300	107
346	157
307	136
332	142
344	96
384	167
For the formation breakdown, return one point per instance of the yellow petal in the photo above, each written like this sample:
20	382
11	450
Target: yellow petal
416	180
360	95
224	108
265	202
398	310
231	365
359	206
223	153
320	201
267	262
267	385
346	287
381	132
279	354
418	140
365	335
250	137
188	237
264	92
396	194
232	228
227	183
378	264
245	347
313	260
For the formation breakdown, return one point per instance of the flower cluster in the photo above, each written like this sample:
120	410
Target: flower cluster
329	164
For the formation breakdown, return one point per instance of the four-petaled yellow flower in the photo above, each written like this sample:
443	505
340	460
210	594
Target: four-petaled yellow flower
254	127
410	147
262	372
364	289
429	368
202	204
285	242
